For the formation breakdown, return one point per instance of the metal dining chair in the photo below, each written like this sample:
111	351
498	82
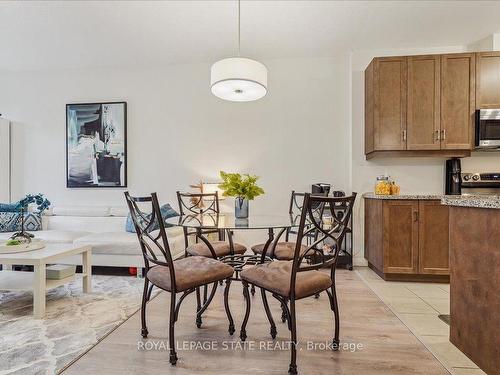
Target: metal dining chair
199	204
284	250
180	276
204	204
289	281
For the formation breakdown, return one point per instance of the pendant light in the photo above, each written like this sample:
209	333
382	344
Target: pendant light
238	79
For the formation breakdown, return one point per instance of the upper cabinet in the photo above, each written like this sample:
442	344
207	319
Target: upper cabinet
388	103
488	80
457	101
420	105
423	122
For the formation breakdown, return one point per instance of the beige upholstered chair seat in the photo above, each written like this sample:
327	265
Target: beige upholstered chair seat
275	277
190	272
221	248
283	250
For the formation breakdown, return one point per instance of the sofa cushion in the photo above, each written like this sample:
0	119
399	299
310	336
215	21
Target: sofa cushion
84	223
88	211
118	211
60	236
124	243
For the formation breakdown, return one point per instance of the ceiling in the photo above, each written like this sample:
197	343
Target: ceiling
78	34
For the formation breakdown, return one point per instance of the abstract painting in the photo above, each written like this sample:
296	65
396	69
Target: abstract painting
96	145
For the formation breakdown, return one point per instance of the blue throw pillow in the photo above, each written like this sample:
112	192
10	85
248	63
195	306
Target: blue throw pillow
11	221
10	207
166	212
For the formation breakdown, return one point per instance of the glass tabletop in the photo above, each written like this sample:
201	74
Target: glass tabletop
229	221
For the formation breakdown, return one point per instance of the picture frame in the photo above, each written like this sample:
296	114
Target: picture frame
96	145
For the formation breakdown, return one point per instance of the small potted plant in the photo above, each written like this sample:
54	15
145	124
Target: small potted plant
243	187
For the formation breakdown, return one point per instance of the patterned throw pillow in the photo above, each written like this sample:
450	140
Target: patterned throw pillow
166	212
10	207
11	221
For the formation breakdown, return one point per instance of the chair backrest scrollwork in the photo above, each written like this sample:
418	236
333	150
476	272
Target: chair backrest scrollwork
198	204
154	243
333	232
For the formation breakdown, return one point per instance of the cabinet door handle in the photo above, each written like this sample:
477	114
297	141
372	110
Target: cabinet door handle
415	216
437	135
404	135
443	134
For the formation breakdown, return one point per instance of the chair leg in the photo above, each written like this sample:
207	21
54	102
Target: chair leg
144	329
206	303
252	290
171	338
292	369
198	308
283	310
335	309
149	292
246	294
205	293
268	313
226	306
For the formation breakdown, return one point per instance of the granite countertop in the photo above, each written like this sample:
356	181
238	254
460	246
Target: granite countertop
477	201
405	196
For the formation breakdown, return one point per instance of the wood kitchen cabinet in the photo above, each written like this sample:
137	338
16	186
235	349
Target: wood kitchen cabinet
400	236
433	242
385	101
458	76
487	80
407	239
423	122
420	105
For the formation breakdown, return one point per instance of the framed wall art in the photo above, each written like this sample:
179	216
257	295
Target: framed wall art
96	145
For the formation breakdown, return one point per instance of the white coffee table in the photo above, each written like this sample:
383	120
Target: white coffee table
36	281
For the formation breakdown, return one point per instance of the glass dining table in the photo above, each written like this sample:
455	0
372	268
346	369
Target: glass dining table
228	223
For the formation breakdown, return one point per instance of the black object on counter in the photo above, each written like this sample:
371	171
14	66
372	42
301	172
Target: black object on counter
453	178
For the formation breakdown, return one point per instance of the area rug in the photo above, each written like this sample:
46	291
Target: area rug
74	323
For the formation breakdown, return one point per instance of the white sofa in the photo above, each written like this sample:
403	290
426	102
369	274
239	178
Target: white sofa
103	228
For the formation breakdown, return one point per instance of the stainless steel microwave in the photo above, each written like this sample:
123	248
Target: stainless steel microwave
488	128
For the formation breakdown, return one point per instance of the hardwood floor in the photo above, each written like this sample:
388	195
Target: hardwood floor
387	346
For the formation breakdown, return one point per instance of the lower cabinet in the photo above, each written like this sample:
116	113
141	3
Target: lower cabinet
400	236
433	238
407	239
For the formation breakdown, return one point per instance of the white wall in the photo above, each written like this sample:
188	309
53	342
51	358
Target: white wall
414	175
490	43
178	132
4	160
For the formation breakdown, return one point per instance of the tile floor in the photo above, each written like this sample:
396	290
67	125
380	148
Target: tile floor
418	305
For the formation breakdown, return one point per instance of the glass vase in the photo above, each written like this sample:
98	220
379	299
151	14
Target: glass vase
241	208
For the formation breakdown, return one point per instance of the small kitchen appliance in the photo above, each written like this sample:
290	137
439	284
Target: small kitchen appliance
487	129
453	177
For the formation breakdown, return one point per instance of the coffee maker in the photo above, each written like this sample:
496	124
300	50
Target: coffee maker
453	178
